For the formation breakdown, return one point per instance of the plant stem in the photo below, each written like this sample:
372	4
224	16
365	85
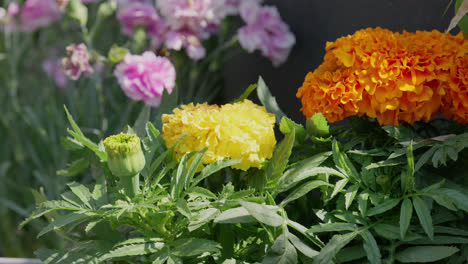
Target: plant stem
131	185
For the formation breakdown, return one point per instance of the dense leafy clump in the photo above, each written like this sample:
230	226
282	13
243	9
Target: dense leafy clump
328	195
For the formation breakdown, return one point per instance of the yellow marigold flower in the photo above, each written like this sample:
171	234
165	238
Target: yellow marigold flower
242	131
394	77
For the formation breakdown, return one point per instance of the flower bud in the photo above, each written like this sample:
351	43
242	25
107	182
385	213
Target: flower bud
125	157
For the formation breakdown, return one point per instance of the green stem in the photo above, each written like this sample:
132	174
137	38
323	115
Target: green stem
131	185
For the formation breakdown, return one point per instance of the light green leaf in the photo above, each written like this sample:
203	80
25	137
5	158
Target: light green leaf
339	185
303	190
371	248
82	192
407	179
78	11
263	213
74	168
202	218
281	252
133	250
362	202
424	216
212	168
383	207
425	254
234	216
189	247
301	246
200	191
65	220
280	159
305	169
268	100
317	125
195	164
183	208
332	227
287	126
406	213
336	243
350	194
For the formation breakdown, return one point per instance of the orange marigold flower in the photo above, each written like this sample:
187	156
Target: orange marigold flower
393	77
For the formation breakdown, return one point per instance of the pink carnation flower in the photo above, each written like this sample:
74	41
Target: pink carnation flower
53	71
141	14
77	61
190	22
265	31
145	77
38	13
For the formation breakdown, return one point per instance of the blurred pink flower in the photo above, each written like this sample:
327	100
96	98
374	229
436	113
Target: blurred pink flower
13	9
52	68
145	77
190	22
38	13
141	14
77	61
232	6
265	31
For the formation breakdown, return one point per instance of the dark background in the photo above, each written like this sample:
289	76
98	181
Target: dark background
313	23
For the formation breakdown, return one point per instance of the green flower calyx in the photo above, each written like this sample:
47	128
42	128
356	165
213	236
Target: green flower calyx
125	157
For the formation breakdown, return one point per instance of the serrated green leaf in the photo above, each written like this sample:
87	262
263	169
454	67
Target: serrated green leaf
406	212
65	220
268	100
212	168
195	164
425	254
280	159
424	215
234	216
301	246
371	247
281	252
74	168
183	208
350	194
362	202
339	185
336	243
457	197
332	227
303	190
317	126
383	207
200	191
263	213
343	163
189	247
82	192
305	169
287	126
348	254
133	250
202	218
407	179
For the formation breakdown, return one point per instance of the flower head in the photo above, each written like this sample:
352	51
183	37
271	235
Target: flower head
124	155
190	22
145	77
38	13
265	31
241	131
394	77
77	61
141	14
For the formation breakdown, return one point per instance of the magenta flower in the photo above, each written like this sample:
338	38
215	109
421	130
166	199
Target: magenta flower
190	22
77	61
53	70
38	13
145	77
265	31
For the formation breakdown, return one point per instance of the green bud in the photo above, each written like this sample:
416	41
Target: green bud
125	160
117	54
125	157
317	125
106	9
